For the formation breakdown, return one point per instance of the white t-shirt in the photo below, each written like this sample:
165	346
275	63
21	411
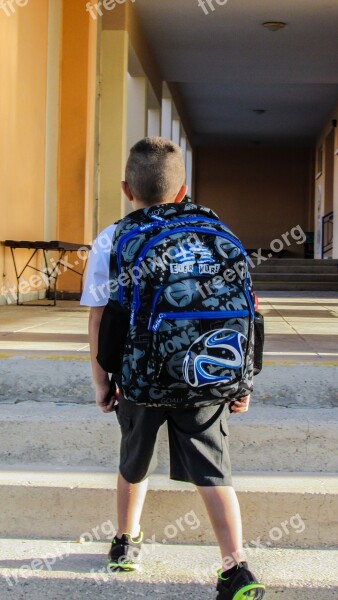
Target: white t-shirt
96	287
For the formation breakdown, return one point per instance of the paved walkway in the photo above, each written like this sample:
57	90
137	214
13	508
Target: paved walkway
78	571
301	327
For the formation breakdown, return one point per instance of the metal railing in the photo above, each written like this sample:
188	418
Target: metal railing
327	234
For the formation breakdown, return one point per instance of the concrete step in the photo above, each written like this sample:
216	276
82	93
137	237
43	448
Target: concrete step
264	439
295	286
40	569
68	379
278	509
56	379
286	276
309	269
289	262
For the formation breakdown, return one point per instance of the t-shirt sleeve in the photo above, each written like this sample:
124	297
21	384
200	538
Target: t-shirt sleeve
96	288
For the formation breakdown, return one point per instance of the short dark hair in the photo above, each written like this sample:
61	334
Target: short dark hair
155	170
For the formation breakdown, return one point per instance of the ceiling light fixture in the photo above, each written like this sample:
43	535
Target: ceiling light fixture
274	25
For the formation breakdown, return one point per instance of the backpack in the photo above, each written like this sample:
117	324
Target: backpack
178	330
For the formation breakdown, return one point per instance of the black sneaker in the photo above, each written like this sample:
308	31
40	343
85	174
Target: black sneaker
242	585
124	553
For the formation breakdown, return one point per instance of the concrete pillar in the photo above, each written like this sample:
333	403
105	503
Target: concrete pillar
113	125
92	143
189	166
154	122
335	202
176	129
52	118
136	119
183	144
166	125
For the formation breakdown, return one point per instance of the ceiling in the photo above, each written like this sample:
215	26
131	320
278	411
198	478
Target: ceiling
225	65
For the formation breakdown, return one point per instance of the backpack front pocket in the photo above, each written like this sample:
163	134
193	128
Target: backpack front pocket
196	349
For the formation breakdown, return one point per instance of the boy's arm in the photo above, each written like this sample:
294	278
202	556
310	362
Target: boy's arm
103	397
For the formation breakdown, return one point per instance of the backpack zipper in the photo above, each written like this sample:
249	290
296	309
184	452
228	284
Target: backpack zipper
228	314
136	302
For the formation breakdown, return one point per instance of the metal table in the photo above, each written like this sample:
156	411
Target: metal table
51	273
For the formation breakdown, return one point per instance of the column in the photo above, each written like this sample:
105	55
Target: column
154	122
335	199
52	118
113	125
136	119
176	127
166	118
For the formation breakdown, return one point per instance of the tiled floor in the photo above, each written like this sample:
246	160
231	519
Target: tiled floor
301	326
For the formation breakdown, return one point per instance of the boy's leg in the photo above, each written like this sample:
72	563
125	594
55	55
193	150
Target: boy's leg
199	453
139	426
130	501
224	512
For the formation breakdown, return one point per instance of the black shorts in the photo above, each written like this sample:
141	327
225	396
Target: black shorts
198	442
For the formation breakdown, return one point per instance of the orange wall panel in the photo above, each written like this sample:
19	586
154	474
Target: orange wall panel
73	128
73	121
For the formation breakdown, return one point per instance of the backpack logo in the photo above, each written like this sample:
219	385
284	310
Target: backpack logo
194	257
211	354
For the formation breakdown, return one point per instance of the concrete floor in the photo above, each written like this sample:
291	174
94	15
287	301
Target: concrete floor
44	352
32	569
300	326
301	359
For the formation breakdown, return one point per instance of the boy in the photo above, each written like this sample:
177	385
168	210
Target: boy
155	175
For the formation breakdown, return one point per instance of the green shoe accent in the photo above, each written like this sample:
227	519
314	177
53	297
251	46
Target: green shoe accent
121	566
219	574
255	591
138	539
124	553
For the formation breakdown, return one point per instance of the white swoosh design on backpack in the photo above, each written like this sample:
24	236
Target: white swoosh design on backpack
225	339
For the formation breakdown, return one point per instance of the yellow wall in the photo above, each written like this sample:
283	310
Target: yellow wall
113	124
23	50
260	193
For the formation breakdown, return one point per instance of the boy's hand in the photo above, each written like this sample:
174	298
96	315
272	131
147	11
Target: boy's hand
105	398
241	405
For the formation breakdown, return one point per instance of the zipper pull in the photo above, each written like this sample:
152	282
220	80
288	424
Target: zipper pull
132	317
157	218
158	322
150	323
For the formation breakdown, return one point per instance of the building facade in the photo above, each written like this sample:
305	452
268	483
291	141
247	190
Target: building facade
79	86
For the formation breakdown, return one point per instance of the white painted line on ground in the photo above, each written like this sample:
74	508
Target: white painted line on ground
36	325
